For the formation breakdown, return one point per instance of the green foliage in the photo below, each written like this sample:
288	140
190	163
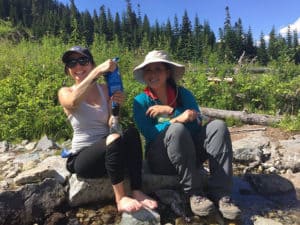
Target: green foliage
5	27
291	123
31	73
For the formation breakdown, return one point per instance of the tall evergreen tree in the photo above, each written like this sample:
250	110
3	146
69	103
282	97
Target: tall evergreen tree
289	38
146	28
110	26
65	23
249	45
273	45
262	53
103	29
96	22
88	27
229	39
185	47
75	26
169	35
4	9
240	46
117	27
197	39
295	38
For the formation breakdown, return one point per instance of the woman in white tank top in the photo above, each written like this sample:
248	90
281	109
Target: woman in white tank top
95	152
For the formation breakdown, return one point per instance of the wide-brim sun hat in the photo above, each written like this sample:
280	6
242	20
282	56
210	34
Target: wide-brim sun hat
156	56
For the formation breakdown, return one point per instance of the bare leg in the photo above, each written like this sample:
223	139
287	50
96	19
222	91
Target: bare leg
144	199
125	203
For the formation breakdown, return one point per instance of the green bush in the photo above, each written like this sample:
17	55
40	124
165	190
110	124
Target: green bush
31	73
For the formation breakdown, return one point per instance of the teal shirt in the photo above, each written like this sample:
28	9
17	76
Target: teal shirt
151	127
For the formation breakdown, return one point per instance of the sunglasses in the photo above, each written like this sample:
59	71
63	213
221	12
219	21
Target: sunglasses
83	61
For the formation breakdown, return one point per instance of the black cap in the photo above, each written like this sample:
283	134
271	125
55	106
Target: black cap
77	49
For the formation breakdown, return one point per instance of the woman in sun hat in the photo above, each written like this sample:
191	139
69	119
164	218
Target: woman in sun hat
95	152
177	142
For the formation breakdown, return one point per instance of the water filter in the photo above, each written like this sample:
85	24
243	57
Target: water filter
114	83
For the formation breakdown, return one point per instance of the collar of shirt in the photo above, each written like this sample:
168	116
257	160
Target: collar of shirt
171	95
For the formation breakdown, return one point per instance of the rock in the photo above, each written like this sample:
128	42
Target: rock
173	200
264	221
30	146
45	144
30	203
290	151
270	184
4	146
51	167
141	217
83	191
46	186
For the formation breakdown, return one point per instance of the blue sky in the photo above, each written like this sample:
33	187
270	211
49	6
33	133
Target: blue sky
260	15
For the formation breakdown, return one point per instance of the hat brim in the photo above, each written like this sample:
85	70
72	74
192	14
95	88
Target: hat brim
177	69
67	54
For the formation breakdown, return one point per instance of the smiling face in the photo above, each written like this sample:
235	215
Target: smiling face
156	75
78	67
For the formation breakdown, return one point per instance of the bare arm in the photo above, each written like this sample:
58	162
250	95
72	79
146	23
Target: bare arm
70	97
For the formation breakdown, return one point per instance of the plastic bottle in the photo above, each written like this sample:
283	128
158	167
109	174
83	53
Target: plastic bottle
65	153
114	83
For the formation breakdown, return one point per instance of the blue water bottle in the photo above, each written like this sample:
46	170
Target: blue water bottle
114	83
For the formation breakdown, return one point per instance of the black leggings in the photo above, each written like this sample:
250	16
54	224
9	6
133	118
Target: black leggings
123	154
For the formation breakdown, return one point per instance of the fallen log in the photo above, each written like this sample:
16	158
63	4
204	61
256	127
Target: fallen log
248	118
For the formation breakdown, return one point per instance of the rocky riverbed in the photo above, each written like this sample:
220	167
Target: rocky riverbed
35	188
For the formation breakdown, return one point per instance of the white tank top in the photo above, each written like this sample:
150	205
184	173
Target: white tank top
89	123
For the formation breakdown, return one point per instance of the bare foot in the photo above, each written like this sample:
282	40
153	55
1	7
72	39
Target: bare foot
144	199
127	204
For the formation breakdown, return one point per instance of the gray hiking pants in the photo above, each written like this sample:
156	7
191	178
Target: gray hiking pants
176	151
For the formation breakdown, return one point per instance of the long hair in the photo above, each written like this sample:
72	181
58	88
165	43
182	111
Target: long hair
173	84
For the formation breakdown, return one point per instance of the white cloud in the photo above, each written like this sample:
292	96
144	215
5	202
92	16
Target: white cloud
267	38
293	26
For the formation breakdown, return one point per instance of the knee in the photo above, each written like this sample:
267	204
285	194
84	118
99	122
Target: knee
218	126
111	138
179	141
178	130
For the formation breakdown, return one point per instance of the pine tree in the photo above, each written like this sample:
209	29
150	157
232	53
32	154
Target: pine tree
75	28
117	27
295	38
249	45
185	47
65	24
229	39
240	42
262	54
4	9
88	27
197	39
289	38
103	29
110	26
146	28
96	22
169	35
273	45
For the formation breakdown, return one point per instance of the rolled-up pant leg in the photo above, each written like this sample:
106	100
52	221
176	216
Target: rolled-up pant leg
216	141
173	152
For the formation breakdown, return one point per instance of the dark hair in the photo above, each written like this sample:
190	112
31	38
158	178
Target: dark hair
173	85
